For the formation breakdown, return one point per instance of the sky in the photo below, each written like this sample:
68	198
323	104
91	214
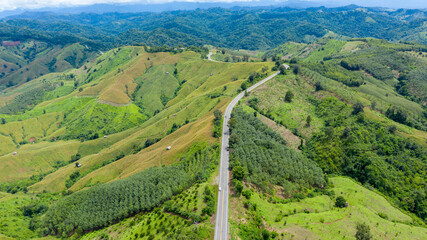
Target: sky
34	4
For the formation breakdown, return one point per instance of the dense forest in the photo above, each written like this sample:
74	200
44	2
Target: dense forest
370	152
261	157
238	28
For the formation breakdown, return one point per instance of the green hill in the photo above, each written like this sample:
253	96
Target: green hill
115	116
316	217
369	131
32	59
122	146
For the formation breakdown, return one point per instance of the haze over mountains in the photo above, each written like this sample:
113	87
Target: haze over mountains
73	7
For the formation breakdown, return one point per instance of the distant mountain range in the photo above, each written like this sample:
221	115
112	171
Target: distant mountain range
177	5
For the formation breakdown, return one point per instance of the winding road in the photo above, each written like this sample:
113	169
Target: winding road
221	225
210	58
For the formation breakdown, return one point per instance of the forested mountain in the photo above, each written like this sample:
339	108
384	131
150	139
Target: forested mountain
244	28
240	28
22	62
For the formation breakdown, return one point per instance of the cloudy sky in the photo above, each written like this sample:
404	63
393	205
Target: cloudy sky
34	4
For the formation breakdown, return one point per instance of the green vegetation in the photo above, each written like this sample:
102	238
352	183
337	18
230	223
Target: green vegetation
264	28
101	205
162	224
32	59
316	217
380	158
340	202
124	146
347	129
264	158
217	129
84	136
363	232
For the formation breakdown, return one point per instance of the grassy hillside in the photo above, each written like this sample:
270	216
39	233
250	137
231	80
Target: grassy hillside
287	208
73	140
90	110
370	131
142	102
316	216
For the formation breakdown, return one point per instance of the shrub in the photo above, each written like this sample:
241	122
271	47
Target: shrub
247	194
357	108
238	186
340	202
238	172
289	96
318	86
363	232
308	120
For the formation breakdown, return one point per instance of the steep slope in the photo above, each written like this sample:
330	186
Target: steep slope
31	59
369	131
100	104
316	217
113	118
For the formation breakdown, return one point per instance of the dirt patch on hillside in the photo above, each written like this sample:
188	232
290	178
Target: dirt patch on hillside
114	104
292	140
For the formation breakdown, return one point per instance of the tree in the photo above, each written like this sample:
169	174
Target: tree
318	86
296	70
3	121
392	128
363	232
218	115
340	202
357	108
308	120
289	95
396	114
346	132
282	70
238	172
238	186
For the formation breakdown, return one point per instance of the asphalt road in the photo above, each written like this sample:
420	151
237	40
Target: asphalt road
210	59
221	226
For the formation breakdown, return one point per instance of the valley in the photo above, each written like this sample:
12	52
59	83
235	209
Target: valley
214	124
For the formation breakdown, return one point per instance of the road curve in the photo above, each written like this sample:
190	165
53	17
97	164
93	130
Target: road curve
221	225
210	59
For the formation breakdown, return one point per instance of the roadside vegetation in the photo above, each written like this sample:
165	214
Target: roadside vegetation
344	130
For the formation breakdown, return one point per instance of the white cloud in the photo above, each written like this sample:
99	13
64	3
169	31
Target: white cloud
34	4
